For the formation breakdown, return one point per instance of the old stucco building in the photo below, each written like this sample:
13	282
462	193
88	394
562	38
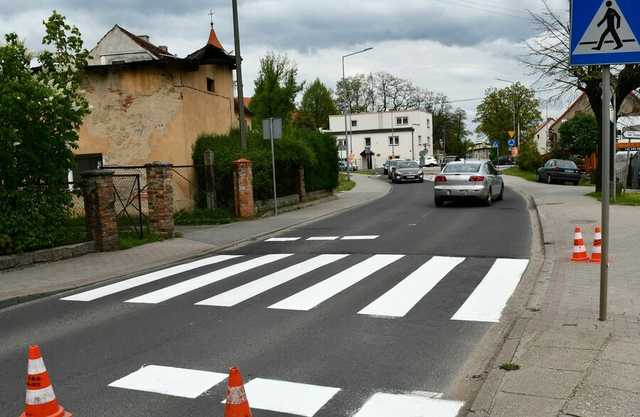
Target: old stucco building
150	105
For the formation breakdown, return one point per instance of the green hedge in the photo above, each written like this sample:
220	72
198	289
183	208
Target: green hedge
35	218
299	147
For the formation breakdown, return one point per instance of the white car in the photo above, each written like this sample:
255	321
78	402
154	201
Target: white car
430	161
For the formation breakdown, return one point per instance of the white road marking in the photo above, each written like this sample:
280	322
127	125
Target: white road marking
386	405
399	300
490	297
283	239
251	289
288	397
146	279
371	237
177	382
322	291
184	287
324	238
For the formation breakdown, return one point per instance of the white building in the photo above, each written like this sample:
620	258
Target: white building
376	137
542	136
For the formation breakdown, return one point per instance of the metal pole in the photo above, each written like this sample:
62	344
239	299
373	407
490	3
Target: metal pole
413	154
273	164
346	136
140	207
236	34
615	149
606	159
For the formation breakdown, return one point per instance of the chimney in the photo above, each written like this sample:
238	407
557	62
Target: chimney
144	37
164	48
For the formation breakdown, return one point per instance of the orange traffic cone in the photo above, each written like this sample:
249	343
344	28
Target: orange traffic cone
579	249
41	400
596	256
237	404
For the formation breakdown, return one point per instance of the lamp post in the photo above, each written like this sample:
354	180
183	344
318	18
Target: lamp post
413	152
347	112
241	118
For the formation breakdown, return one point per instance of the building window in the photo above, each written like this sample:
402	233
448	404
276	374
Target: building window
354	123
428	124
394	140
402	120
419	140
367	142
86	162
211	85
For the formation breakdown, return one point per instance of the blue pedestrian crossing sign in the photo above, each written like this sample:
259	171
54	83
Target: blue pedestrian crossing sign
511	143
495	144
604	32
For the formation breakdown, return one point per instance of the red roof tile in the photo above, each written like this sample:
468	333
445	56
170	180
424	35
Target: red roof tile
213	39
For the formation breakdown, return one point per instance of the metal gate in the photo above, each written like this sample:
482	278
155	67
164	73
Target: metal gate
128	203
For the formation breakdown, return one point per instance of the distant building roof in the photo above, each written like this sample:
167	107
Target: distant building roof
213	39
247	101
155	50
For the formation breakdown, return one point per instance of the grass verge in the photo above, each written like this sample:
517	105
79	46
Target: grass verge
131	239
626	199
344	184
204	217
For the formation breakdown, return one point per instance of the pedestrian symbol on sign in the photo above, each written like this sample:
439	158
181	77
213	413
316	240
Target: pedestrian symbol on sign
609	32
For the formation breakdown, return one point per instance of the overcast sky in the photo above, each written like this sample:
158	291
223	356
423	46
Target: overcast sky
457	47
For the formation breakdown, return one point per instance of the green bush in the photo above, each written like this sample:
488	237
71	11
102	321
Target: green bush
298	147
529	159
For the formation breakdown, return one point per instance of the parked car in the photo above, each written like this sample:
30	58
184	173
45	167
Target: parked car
407	171
559	170
430	161
392	166
503	161
478	180
448	159
385	167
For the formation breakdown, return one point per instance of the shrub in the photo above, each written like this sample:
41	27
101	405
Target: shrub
529	159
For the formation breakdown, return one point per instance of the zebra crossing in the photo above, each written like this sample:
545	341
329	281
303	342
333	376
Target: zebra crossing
291	398
484	303
321	238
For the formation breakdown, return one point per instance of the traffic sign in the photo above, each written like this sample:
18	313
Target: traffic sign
511	133
604	32
632	134
511	143
495	144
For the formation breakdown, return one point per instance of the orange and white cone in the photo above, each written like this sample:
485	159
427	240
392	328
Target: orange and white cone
579	249
41	400
236	404
596	255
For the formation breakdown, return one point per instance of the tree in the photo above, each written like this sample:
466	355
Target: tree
316	107
276	88
549	58
579	136
40	113
354	93
502	110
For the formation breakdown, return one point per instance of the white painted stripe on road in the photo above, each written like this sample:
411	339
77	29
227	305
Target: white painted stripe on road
259	286
146	278
184	287
322	291
177	382
288	397
283	239
320	238
386	405
371	237
399	300
490	297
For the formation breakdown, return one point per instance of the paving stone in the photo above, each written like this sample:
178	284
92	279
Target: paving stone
620	351
598	401
550	383
510	405
623	376
572	338
558	358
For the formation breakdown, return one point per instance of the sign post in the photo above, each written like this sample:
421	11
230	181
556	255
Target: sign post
603	32
272	130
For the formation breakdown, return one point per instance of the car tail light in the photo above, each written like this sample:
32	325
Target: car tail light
476	178
441	178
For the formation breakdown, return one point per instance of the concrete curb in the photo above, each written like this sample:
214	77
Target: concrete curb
502	341
13	301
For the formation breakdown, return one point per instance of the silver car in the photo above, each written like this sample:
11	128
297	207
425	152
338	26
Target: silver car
468	180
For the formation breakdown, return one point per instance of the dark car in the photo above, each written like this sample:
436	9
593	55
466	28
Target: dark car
407	171
559	170
503	161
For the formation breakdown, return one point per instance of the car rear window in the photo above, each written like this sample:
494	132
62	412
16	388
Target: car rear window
462	168
567	165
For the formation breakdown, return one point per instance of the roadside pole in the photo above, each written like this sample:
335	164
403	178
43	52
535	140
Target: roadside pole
606	159
272	130
615	149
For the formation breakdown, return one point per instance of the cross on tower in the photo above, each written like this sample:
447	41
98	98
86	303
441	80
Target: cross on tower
211	14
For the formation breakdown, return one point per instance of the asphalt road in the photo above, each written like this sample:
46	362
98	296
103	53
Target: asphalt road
321	343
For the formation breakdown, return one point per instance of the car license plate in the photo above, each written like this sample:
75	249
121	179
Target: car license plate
410	177
568	170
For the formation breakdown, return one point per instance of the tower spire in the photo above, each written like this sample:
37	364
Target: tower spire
213	38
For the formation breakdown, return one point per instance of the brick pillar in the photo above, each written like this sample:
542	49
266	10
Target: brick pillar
243	188
160	198
302	190
100	211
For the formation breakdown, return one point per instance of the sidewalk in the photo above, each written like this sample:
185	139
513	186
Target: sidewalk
39	280
571	363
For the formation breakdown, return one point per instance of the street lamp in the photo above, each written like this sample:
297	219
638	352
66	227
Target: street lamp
346	110
413	154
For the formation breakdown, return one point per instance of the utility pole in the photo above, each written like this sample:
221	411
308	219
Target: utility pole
606	160
236	34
